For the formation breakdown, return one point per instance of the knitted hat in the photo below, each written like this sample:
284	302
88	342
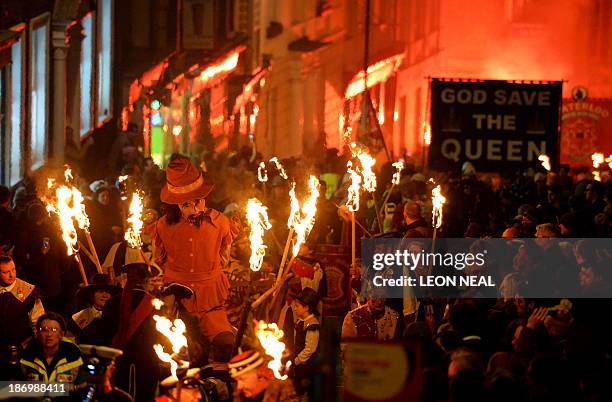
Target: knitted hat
245	362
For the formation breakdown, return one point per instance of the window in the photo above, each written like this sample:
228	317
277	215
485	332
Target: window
86	75
39	71
14	110
11	98
104	55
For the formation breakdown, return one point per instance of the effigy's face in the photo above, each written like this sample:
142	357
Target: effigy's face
192	207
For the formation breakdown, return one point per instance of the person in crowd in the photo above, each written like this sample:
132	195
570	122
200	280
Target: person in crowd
374	320
49	358
192	244
42	255
84	323
306	339
415	224
104	217
127	324
20	308
256	382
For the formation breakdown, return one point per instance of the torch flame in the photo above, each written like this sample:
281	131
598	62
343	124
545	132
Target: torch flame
175	332
353	191
426	133
598	159
257	216
399	166
157	303
68	205
304	220
281	169
132	234
438	201
165	357
545	161
596	175
262	173
269	336
68	175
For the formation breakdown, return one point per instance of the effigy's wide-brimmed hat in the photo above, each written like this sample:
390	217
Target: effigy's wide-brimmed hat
184	182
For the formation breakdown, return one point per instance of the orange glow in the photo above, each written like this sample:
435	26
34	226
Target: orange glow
377	73
224	66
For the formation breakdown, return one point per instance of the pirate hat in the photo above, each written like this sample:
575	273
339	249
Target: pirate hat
99	282
179	291
141	270
245	362
184	183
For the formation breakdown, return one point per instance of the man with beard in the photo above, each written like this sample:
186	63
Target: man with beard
192	244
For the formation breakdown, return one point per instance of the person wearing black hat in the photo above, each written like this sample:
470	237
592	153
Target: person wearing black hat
173	294
84	323
306	338
127	324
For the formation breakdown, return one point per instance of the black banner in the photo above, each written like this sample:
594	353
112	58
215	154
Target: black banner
496	125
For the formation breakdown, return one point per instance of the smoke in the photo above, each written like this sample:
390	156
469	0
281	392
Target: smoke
541	40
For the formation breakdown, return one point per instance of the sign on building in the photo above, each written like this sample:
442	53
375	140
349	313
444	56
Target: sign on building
495	125
586	124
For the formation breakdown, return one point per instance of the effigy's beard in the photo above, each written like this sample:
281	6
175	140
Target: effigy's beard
196	219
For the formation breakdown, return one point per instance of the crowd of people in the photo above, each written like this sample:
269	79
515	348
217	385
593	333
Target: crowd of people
195	258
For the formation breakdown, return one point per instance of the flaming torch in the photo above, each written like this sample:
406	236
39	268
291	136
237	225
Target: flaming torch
438	201
545	161
369	178
175	332
352	202
67	203
279	167
395	180
598	159
301	220
132	234
269	336
262	176
257	216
